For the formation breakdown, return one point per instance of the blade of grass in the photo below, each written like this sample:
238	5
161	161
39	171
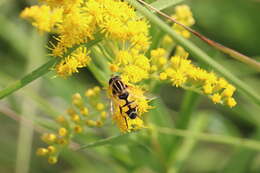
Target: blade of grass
42	70
197	52
163	4
106	141
28	108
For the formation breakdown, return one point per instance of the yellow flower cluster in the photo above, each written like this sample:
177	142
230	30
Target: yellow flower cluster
79	118
180	71
43	17
134	67
138	100
183	15
76	22
78	59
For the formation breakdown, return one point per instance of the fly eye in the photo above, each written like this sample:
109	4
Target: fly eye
123	96
132	115
110	81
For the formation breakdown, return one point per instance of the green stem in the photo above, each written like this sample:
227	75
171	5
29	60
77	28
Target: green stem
28	78
221	139
42	70
197	52
109	140
99	74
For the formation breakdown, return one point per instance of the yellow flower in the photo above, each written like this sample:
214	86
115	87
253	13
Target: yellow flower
163	76
49	137
78	129
52	160
100	106
61	3
182	73
140	42
229	90
113	67
159	52
42	151
43	17
207	89
231	102
137	27
104	115
91	123
75	118
178	78
216	98
123	58
51	149
84	111
133	73
89	93
63	132
70	64
183	15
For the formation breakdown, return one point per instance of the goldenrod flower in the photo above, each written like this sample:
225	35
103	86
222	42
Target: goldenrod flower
76	22
43	17
84	111
216	98
100	106
231	102
183	15
78	129
78	59
51	149
91	123
63	132
42	151
49	137
180	71
52	159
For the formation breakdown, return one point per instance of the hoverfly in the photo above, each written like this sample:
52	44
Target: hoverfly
122	98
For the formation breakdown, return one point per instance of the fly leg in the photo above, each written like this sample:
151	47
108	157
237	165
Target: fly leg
121	111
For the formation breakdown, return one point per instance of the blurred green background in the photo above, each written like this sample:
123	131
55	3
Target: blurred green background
234	23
